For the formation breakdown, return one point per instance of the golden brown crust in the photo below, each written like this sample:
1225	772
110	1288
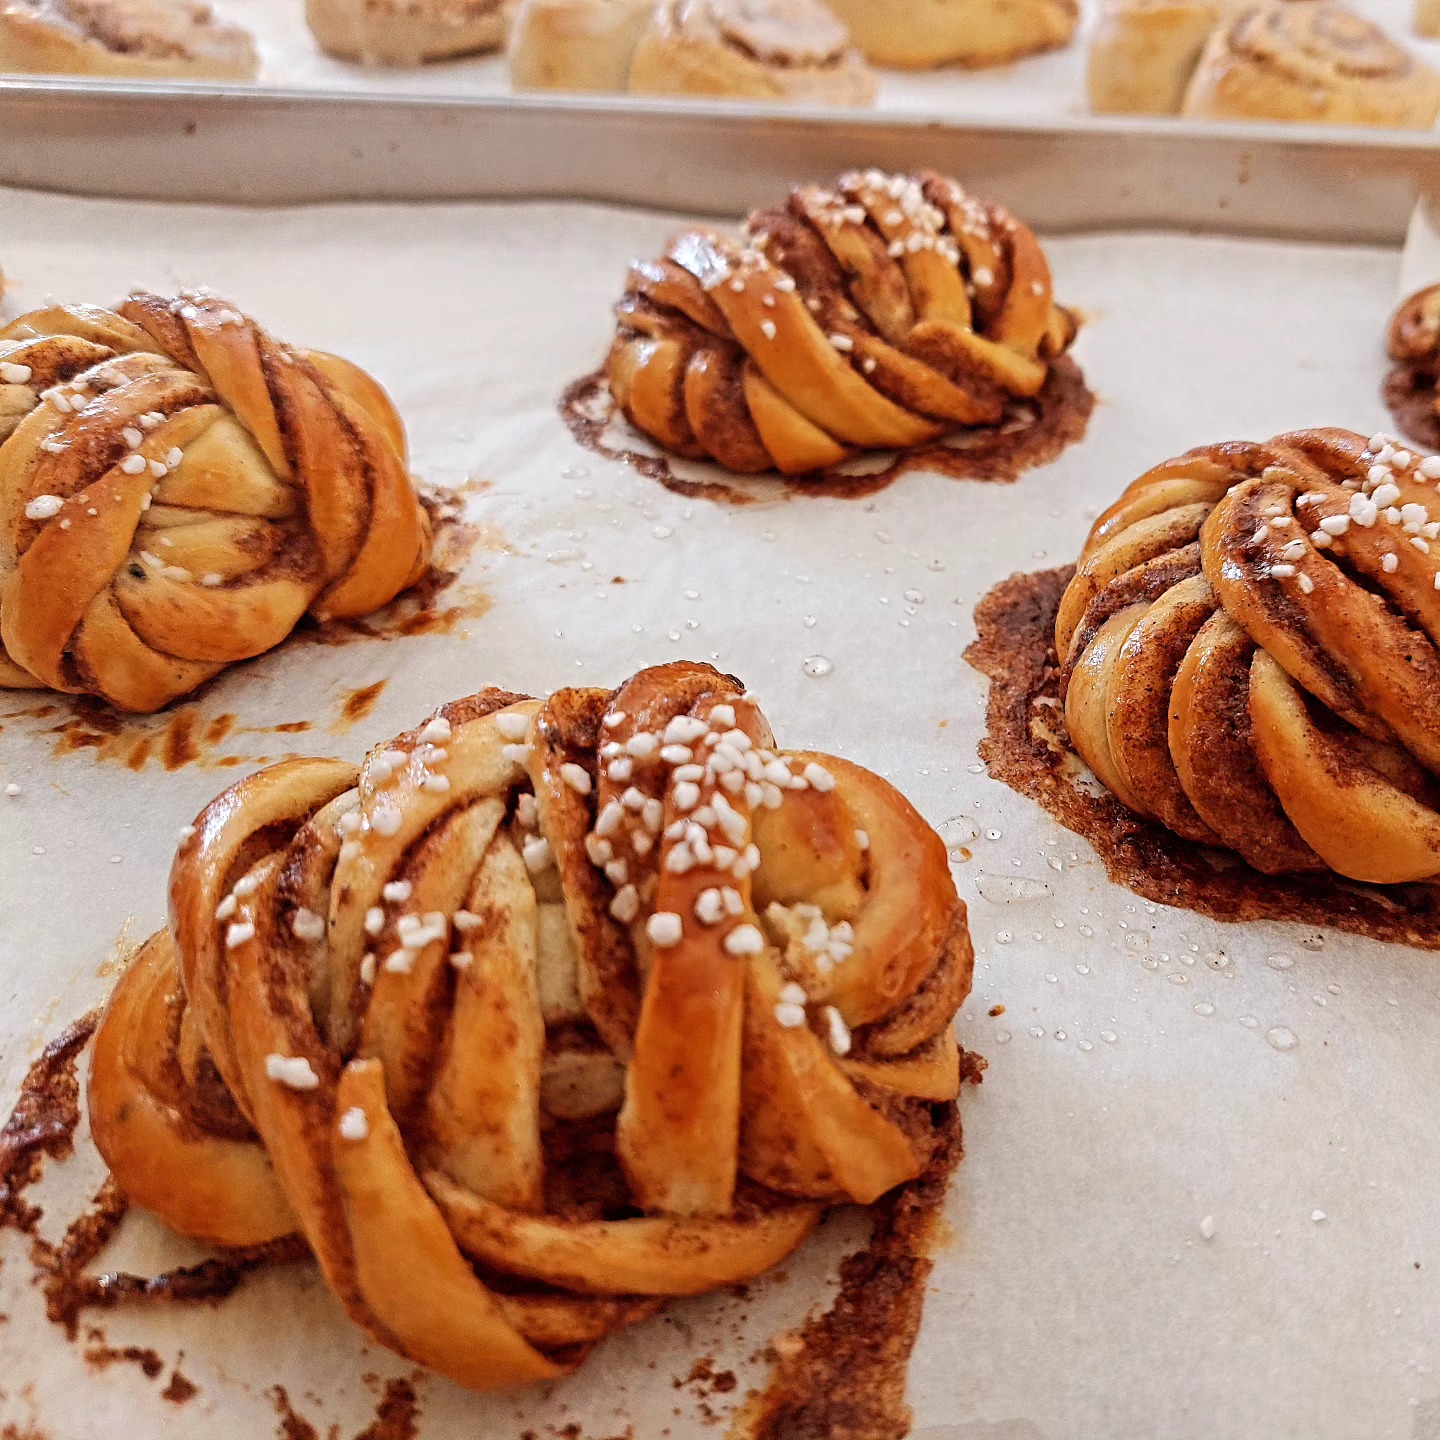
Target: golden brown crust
576	44
920	34
1143	53
877	314
1281	699
141	39
408	33
604	993
177	489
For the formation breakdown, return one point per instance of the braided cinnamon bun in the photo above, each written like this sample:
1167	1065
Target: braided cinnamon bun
876	314
1249	653
177	489
753	49
1314	61
553	1010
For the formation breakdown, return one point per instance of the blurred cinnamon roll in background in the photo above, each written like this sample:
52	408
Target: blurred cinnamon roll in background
752	49
921	34
1302	60
407	33
124	39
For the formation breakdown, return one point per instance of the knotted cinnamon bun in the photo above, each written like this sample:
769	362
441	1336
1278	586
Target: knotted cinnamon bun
1249	653
177	489
879	313
1414	345
1310	60
752	49
919	34
549	1012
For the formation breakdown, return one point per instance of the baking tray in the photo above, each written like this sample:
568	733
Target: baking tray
238	145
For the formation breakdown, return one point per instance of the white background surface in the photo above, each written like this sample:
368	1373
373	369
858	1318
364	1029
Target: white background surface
1049	86
1078	1298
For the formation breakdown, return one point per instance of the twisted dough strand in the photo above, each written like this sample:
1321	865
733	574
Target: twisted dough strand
1250	654
550	1011
877	314
177	489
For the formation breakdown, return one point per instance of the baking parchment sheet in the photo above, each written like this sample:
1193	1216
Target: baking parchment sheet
1132	1091
1048	87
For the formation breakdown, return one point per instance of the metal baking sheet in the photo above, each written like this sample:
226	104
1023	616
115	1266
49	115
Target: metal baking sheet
264	147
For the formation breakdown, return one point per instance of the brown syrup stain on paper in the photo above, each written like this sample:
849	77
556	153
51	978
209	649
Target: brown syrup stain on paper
397	1416
438	603
1027	747
1033	433
357	705
842	1375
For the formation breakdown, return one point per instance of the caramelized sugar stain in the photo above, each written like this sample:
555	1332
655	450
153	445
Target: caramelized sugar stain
397	1416
1028	748
1409	393
179	1389
172	739
842	1375
42	1124
357	705
1033	433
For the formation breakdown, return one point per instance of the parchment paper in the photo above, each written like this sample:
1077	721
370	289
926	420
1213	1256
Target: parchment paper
1049	86
1078	1297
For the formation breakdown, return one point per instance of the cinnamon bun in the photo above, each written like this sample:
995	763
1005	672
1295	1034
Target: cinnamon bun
1411	387
1249	653
132	39
751	49
576	44
877	313
1314	61
921	34
408	33
548	1012
177	489
1143	53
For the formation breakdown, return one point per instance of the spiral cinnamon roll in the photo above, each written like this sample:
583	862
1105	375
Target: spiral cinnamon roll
921	34
1314	61
551	1011
751	49
131	39
1249	651
1144	52
408	33
177	489
879	313
576	44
